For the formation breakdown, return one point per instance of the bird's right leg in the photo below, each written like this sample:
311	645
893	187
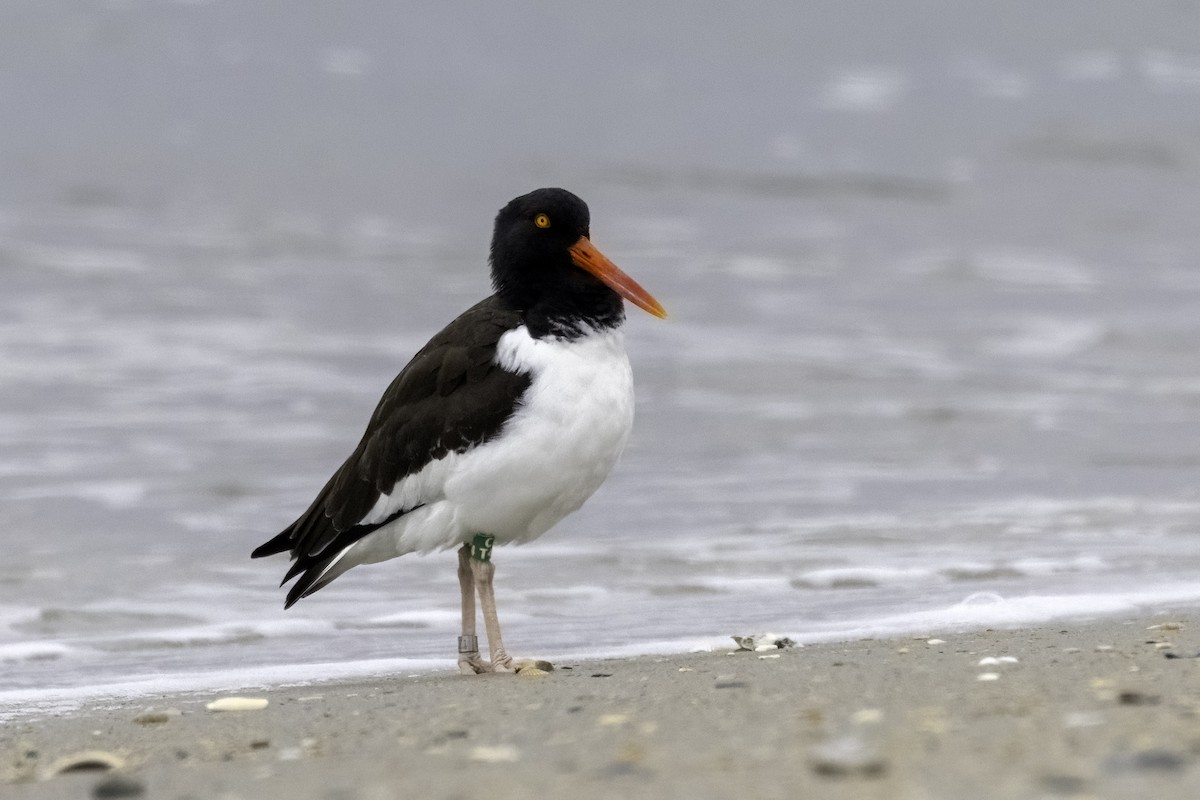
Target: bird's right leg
469	660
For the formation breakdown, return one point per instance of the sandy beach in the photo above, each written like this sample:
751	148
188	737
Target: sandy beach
1099	709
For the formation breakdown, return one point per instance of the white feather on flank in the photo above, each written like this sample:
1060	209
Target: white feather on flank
555	451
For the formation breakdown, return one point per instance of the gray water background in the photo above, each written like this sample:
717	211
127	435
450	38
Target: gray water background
932	273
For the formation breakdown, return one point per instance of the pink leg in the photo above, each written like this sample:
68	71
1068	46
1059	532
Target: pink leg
483	572
469	660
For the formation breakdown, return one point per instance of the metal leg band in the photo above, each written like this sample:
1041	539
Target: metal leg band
468	644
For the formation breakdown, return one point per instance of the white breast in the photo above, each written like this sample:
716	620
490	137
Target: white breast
561	443
553	453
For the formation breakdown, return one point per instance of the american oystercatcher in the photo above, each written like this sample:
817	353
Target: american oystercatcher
504	423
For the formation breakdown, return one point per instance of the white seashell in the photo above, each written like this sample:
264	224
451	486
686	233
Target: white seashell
238	704
500	754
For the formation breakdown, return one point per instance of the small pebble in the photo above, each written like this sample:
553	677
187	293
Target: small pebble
1083	719
774	655
935	641
1071	650
1163	645
499	754
1069	785
902	650
1156	759
988	676
686	669
1104	648
152	718
118	786
867	716
991	661
612	720
846	757
1134	698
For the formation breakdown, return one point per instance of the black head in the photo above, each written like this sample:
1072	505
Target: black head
544	264
532	239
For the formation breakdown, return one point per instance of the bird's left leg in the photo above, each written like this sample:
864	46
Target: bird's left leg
482	569
469	660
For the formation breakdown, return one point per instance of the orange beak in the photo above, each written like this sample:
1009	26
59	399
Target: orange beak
587	257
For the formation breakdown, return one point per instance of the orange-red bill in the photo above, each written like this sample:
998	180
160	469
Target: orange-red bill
587	257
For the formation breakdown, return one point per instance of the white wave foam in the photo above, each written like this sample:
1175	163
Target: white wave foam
432	617
33	651
33	702
849	577
990	610
111	494
1034	269
1048	338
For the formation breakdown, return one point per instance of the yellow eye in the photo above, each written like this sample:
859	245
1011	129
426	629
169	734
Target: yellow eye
542	221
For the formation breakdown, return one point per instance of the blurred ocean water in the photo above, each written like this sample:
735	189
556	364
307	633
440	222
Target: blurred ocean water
931	363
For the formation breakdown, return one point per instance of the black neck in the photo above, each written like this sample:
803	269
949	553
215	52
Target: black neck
558	300
573	314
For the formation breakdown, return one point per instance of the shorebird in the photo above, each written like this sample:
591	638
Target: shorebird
504	423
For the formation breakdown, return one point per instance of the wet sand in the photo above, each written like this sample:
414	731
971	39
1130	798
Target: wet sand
1092	709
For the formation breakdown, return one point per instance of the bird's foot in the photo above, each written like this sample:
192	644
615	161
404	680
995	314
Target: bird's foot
472	664
469	660
503	663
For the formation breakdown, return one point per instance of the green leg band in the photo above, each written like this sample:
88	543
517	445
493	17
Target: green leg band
481	547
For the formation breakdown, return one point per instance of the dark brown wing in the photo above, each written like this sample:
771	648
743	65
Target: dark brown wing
451	397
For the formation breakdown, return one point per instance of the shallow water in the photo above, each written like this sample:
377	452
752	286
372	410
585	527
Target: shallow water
931	362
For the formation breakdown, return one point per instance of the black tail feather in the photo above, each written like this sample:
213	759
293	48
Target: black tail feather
278	544
308	580
311	566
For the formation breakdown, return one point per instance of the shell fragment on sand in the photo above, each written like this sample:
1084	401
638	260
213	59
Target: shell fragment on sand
764	642
86	761
238	704
991	661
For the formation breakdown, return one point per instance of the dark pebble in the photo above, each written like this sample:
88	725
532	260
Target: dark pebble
1064	784
118	786
730	685
602	675
1137	699
1155	759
